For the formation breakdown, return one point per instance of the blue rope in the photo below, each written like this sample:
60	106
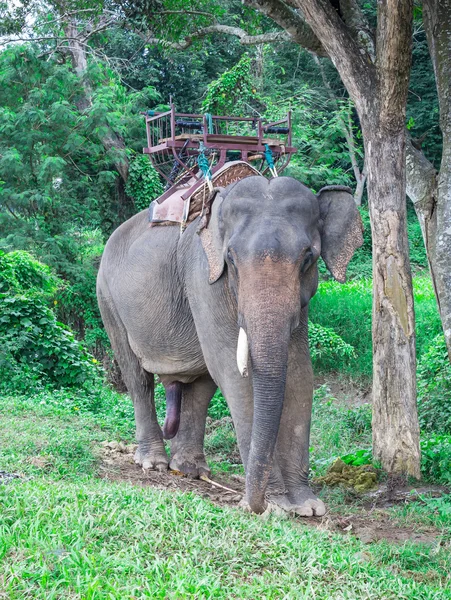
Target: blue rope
202	161
270	160
268	156
209	119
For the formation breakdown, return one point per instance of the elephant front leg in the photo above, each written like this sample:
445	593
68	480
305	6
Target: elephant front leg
294	434
187	447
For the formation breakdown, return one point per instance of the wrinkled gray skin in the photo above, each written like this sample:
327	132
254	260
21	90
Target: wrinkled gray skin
173	306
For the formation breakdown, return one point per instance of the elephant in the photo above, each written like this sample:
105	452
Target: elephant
224	304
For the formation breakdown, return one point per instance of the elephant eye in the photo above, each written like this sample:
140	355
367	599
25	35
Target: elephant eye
307	262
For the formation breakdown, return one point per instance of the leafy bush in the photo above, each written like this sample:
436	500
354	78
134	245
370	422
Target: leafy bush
143	183
218	406
358	418
436	458
36	350
20	271
358	458
325	343
434	388
346	308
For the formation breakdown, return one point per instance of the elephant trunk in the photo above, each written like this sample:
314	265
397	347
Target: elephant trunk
269	356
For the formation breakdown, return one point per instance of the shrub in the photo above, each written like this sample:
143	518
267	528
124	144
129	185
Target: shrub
358	418
36	350
21	272
326	344
434	388
347	309
143	183
436	458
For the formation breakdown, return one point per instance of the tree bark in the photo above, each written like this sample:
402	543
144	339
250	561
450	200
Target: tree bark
379	92
437	22
395	422
111	141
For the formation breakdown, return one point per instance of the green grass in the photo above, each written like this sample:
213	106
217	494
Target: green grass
107	540
65	534
346	308
336	430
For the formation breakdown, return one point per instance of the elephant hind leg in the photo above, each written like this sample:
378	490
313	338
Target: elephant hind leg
187	447
140	385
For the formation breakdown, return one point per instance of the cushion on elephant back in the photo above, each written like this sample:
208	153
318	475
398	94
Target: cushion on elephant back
176	211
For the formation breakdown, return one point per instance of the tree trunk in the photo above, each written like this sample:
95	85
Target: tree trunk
111	141
437	22
379	92
395	422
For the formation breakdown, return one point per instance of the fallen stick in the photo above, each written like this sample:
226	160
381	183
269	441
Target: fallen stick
223	487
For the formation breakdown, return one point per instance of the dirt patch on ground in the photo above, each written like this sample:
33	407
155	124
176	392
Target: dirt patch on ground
376	526
371	524
117	464
345	391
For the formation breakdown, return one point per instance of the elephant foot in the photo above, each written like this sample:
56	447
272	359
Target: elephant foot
305	503
192	464
153	460
277	504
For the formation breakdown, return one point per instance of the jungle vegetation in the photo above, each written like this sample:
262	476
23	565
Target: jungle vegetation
73	80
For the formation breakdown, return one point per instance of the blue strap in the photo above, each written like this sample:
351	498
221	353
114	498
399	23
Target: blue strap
209	119
268	156
202	161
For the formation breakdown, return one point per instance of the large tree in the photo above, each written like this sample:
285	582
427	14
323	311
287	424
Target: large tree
374	68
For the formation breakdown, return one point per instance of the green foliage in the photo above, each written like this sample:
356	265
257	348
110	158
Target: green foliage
358	418
36	350
347	309
218	406
422	101
358	458
143	183
336	430
232	91
436	458
20	272
326	344
434	387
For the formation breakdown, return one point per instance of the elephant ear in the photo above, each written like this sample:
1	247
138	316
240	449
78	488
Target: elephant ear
212	237
342	228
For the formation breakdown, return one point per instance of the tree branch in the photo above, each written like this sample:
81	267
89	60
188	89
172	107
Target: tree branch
352	62
244	38
357	22
291	21
421	177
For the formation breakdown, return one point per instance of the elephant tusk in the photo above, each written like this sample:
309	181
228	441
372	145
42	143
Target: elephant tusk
242	352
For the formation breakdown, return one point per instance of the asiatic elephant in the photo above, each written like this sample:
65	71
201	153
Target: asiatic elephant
226	305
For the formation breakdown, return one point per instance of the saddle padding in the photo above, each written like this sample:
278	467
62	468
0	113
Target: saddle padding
174	210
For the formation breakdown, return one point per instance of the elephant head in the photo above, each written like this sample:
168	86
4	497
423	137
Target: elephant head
266	237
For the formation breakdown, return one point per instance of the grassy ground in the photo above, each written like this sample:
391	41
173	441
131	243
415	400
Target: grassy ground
65	533
346	308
